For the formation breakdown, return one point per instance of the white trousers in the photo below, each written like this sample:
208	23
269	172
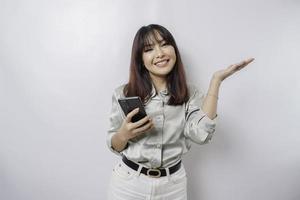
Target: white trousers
128	184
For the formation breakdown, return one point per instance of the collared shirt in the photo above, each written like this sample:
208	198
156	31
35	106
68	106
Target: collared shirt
174	128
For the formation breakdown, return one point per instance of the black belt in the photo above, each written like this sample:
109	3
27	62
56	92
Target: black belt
151	172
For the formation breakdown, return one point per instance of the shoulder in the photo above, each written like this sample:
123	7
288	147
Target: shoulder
118	91
191	88
194	91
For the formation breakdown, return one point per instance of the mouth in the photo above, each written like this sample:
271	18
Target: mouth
161	63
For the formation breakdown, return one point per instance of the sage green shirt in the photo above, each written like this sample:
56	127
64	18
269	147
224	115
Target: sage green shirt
174	128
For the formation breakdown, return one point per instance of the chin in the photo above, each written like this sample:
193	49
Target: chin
162	74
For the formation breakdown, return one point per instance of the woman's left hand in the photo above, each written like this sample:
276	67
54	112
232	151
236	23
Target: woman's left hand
224	73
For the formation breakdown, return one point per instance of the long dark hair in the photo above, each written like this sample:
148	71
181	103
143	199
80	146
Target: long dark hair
140	83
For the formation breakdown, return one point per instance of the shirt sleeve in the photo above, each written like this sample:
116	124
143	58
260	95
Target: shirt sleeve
115	121
198	127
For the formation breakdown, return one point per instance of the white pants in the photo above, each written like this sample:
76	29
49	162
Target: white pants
128	184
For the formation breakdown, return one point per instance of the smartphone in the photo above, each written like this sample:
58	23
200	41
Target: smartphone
130	103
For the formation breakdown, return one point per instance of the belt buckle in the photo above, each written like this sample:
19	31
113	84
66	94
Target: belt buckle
154	170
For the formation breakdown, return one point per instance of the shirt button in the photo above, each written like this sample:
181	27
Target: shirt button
153	162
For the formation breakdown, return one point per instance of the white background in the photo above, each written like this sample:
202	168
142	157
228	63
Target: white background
61	60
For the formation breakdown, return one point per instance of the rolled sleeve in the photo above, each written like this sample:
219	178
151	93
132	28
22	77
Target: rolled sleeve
115	120
199	127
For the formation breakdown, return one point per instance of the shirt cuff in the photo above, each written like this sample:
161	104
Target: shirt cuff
108	141
208	125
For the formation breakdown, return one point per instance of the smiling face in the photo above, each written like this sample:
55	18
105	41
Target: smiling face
159	57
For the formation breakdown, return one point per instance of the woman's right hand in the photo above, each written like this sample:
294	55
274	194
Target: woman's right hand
129	130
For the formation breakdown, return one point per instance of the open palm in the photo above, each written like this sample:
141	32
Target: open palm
224	73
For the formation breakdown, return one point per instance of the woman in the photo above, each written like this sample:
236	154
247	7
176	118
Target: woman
177	113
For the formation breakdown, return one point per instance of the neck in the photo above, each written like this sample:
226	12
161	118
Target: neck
160	83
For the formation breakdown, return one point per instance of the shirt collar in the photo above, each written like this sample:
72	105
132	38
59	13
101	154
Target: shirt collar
162	93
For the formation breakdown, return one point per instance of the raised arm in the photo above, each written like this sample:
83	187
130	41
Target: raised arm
209	105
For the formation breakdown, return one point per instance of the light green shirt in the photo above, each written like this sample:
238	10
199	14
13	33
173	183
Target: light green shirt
174	128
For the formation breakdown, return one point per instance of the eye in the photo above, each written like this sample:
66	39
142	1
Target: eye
164	44
147	49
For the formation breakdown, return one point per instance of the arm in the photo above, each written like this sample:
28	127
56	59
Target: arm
130	130
199	127
201	123
118	142
209	105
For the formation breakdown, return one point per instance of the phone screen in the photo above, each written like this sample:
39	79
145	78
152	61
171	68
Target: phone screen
130	103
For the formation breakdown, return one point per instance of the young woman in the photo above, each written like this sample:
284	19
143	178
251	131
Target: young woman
150	149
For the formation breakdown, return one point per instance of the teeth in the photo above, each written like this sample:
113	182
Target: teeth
161	63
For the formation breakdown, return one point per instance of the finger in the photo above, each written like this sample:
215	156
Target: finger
141	121
241	63
239	67
131	114
246	62
143	129
234	67
249	60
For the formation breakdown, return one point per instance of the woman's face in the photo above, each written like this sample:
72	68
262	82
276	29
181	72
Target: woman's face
159	57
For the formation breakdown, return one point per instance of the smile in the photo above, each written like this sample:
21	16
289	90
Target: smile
161	63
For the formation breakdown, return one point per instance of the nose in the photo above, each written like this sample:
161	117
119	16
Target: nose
159	52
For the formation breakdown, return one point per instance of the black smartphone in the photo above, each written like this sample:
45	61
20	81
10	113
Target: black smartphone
130	103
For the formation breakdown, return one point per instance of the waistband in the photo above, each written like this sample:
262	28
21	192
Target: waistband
152	172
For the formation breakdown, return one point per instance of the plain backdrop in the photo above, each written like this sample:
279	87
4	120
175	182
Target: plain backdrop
60	61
